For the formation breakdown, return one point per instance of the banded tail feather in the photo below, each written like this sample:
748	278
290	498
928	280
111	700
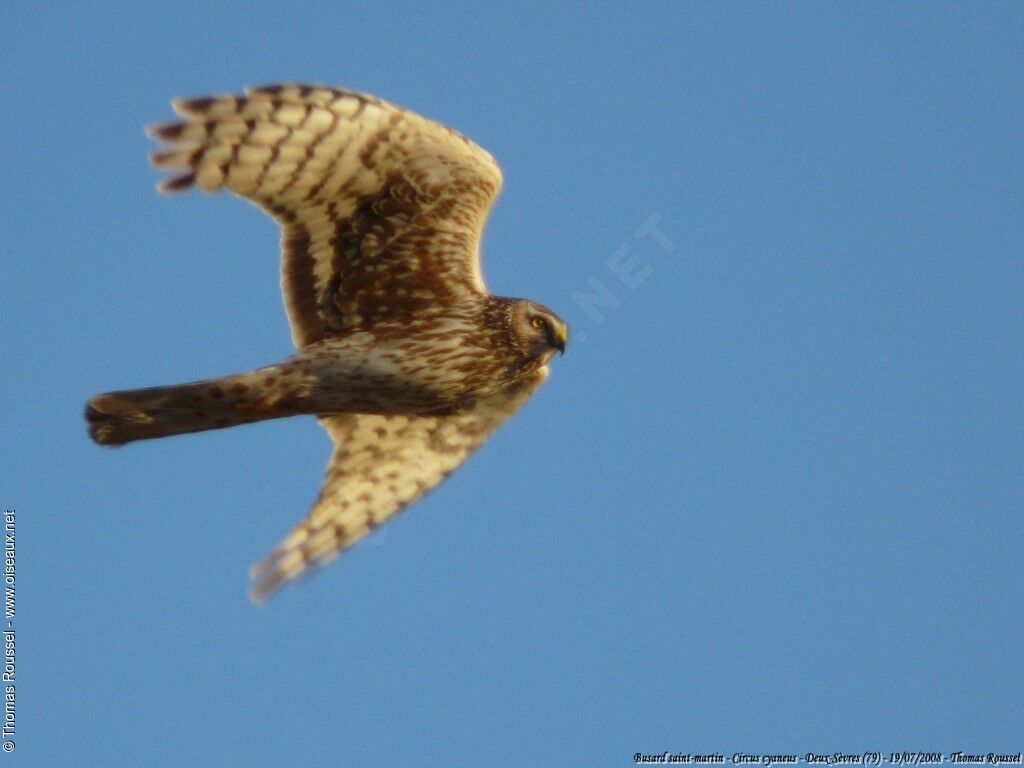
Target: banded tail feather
116	418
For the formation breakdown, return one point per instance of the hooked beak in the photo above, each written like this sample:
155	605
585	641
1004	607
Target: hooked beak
561	338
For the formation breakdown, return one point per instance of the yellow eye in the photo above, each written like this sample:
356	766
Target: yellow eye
537	323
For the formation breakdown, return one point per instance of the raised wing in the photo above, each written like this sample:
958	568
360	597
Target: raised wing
380	465
381	210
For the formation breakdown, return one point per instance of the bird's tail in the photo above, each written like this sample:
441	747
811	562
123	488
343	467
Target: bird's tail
116	418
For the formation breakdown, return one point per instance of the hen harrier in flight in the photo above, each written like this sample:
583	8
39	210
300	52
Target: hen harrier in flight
403	354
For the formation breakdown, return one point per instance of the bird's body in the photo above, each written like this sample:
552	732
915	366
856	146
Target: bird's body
406	358
438	364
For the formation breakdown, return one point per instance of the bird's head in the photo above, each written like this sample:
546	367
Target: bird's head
538	330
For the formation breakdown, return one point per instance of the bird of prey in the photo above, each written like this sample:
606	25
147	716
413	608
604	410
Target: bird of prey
402	353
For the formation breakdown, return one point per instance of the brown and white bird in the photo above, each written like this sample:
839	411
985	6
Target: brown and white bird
403	354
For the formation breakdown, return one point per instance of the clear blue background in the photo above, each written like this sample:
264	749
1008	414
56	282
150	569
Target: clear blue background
770	502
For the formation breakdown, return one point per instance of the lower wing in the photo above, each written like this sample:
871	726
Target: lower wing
380	465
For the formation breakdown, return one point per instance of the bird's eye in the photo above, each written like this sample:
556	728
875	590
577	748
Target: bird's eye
537	322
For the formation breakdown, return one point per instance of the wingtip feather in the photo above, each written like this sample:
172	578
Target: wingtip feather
198	105
171	131
177	183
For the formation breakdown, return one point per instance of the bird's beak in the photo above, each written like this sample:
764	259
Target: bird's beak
561	338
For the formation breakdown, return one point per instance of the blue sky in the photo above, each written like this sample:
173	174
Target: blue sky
769	501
